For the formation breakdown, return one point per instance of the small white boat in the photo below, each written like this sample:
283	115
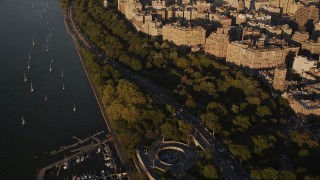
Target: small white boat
63	86
51	60
28	65
50	69
25	77
74	108
45	98
47	48
33	43
31	87
23	121
29	56
32	5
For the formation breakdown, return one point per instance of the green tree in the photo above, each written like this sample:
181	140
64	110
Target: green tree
170	131
303	139
210	120
240	151
303	153
185	129
263	111
263	142
217	108
242	121
209	171
190	102
268	173
285	175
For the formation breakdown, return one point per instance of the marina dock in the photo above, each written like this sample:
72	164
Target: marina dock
76	150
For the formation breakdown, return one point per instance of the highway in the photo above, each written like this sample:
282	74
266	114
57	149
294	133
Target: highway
231	169
74	33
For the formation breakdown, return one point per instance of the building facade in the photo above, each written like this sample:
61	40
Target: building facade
279	78
217	43
244	53
306	16
190	36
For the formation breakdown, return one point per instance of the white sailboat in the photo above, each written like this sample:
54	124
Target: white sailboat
33	43
28	65
51	60
74	107
25	77
63	86
45	98
31	87
47	48
62	75
29	56
50	69
23	122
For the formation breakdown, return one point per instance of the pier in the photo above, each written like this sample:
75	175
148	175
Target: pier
76	149
80	141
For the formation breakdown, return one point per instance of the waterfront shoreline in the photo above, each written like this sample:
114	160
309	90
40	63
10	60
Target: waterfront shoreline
117	144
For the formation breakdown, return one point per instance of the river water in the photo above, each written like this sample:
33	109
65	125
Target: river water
48	124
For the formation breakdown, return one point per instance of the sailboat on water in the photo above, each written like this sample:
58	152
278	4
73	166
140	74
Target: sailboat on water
33	43
31	87
74	107
23	122
32	5
25	77
28	65
29	55
45	98
50	69
47	48
63	88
